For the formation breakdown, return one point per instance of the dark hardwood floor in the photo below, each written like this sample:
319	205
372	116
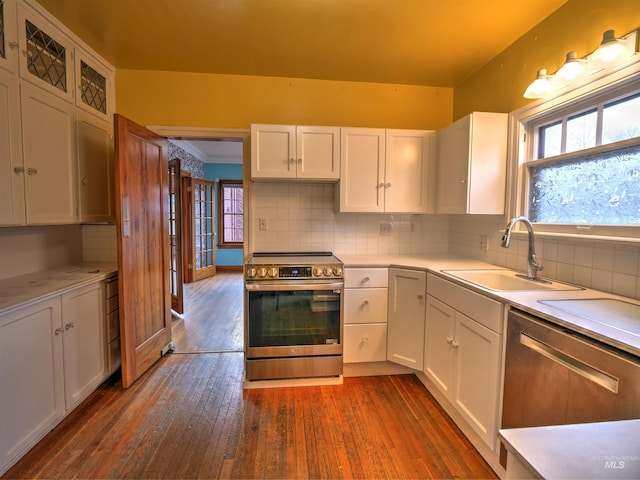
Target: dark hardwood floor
189	417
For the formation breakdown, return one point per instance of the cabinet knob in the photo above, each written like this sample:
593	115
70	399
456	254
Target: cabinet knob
463	181
387	185
58	331
365	339
85	182
69	325
27	53
381	185
299	160
420	297
365	279
18	169
32	171
292	160
365	302
454	344
449	340
13	45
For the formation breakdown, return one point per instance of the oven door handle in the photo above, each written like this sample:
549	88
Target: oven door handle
261	287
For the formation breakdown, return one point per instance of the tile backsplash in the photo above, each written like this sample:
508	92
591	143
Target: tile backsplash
302	217
99	243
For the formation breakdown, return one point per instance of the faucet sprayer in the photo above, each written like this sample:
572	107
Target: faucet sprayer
533	267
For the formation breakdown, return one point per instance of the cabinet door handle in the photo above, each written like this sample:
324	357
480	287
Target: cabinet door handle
32	171
454	344
365	302
18	169
387	185
13	45
58	331
381	185
69	325
420	297
300	160
449	340
27	53
365	279
365	339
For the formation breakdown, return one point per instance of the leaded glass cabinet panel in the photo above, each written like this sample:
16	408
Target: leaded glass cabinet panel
46	57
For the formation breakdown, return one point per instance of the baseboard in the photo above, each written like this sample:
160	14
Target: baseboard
229	268
370	369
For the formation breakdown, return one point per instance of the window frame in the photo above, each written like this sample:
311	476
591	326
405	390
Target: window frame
221	185
524	144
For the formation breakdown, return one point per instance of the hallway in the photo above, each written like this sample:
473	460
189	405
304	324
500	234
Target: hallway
213	317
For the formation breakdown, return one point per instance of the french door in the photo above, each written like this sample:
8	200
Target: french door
200	217
175	237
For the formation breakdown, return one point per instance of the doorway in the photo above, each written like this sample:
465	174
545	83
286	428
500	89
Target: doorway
212	318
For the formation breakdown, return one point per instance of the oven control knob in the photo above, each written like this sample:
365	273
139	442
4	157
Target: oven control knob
317	271
337	271
262	272
327	271
273	272
251	272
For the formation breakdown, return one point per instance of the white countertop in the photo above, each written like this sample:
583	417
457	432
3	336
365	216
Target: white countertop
528	301
17	291
604	450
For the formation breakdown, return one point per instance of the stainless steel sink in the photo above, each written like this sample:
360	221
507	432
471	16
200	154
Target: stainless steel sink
507	280
607	311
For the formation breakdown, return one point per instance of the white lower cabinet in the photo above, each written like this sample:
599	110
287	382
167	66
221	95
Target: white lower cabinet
83	341
365	315
31	375
405	344
462	355
52	356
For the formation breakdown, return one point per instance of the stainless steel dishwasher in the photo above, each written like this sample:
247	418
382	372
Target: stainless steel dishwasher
554	376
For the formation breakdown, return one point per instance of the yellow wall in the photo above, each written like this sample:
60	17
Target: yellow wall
231	101
576	26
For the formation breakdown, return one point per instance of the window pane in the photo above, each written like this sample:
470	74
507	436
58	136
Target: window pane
603	189
581	131
621	120
550	138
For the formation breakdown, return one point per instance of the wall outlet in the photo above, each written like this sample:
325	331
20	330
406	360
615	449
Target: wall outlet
484	243
386	229
262	223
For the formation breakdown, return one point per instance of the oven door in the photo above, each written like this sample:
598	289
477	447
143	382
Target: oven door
293	319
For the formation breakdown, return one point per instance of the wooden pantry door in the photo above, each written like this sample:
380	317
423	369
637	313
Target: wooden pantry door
142	218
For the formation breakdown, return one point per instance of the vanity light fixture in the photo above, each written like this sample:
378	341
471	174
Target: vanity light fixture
539	86
576	71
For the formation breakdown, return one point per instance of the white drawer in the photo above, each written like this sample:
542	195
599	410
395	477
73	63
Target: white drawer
483	310
366	277
365	305
365	343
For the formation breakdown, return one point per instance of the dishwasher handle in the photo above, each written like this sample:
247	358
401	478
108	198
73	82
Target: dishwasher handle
573	364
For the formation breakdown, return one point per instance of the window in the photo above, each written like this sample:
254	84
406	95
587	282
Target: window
230	214
581	173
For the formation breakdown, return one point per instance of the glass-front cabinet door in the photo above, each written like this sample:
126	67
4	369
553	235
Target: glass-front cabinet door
45	54
94	86
8	37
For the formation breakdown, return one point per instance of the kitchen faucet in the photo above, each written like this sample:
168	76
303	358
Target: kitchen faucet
533	267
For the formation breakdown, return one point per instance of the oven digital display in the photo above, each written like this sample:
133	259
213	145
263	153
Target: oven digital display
294	272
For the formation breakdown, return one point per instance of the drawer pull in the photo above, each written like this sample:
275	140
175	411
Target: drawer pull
365	279
365	302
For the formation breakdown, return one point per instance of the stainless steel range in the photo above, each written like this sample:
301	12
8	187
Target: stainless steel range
293	315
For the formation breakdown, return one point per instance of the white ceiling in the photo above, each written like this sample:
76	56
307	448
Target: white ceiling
212	151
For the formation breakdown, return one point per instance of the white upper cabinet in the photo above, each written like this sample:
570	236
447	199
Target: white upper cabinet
49	143
8	36
471	164
406	172
94	86
295	152
46	54
11	165
385	170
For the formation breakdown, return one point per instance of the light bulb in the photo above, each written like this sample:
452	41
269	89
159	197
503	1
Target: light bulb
610	48
572	67
539	86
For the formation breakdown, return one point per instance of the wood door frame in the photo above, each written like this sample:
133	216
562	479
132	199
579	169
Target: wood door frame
175	241
222	133
208	270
